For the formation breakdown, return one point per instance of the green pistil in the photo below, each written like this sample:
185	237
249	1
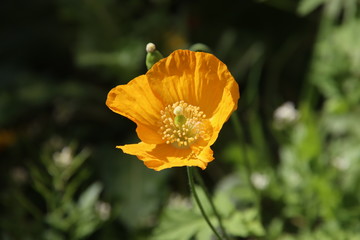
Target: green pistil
179	120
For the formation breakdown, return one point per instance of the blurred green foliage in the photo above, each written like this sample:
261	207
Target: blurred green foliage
283	176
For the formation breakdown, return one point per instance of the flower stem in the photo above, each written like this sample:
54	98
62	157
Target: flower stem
202	184
239	133
193	191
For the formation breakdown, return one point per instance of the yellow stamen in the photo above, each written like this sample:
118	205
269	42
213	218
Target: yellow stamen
181	124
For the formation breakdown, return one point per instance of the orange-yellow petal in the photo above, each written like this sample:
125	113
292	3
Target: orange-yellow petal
137	102
221	114
162	156
198	78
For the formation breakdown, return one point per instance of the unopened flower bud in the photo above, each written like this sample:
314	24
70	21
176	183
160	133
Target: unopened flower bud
153	55
150	47
200	47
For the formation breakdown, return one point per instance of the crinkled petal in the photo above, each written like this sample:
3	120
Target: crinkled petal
137	102
198	78
227	106
162	156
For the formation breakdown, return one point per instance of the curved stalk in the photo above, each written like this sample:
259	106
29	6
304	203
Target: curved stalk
192	187
202	184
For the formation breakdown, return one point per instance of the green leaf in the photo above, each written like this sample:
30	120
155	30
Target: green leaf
90	196
73	185
142	184
76	163
307	6
181	224
61	218
52	235
244	223
307	140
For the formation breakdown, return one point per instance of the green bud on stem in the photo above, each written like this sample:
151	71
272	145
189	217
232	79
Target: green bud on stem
200	47
153	55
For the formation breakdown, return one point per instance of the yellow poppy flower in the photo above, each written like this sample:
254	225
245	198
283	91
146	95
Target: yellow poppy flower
179	107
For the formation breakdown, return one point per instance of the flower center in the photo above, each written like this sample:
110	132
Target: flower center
182	124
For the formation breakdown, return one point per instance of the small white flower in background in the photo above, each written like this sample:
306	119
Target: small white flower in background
341	163
259	180
285	114
103	209
64	157
178	201
293	179
19	175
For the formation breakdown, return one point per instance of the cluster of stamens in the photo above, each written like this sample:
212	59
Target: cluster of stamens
181	124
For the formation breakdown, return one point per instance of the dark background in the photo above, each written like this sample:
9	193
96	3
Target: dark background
60	58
